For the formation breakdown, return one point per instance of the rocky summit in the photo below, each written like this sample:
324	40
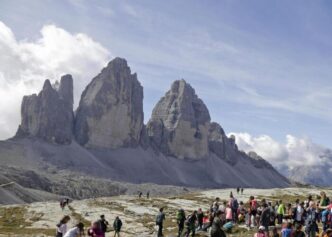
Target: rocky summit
49	115
106	140
110	113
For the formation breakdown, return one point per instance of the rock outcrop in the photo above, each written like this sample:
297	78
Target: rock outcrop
179	124
110	113
49	115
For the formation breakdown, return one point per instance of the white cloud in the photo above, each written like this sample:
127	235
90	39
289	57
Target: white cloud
25	64
294	152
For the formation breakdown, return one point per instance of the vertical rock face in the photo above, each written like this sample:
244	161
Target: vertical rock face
49	115
180	122
110	113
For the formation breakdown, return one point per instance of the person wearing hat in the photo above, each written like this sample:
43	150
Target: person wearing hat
261	232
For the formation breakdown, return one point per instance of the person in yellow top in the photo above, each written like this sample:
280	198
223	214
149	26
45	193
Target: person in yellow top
281	212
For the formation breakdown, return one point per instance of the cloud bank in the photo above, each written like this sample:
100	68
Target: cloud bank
25	64
289	156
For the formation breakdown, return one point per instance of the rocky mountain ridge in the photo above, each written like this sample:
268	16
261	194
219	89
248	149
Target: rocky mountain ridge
108	128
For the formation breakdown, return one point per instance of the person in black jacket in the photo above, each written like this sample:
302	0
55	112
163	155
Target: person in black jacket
117	224
103	224
265	218
216	229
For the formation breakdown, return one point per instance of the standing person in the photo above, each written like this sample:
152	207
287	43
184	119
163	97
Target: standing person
238	190
95	230
140	195
103	224
216	229
253	210
280	212
148	195
272	214
200	216
311	227
77	231
265	219
298	231
234	206
117	225
190	222
241	191
159	221
299	214
229	214
287	231
180	219
215	205
61	227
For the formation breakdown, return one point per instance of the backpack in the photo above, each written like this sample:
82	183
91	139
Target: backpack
228	226
234	204
180	215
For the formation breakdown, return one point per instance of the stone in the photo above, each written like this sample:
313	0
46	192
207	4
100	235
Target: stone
110	113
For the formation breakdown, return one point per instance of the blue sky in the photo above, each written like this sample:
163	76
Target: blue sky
262	67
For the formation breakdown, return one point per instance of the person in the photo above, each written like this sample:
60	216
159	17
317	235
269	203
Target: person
215	205
272	214
148	195
299	213
327	233
287	230
140	194
234	206
61	227
324	201
275	232
62	204
265	219
95	230
261	232
190	222
298	231
117	225
229	213
159	221
216	229
289	212
103	223
76	231
280	212
208	219
253	211
311	220
238	190
200	216
241	190
180	219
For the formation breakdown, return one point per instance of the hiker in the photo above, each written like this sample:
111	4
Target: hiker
238	190
287	230
253	211
216	229
298	231
159	221
229	214
280	212
234	206
103	223
261	232
299	214
190	223
61	227
180	219
77	231
265	219
273	214
241	191
62	204
311	227
289	212
215	205
117	225
95	230
140	195
148	195
200	216
208	219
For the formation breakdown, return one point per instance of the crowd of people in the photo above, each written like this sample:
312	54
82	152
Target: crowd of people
97	228
300	218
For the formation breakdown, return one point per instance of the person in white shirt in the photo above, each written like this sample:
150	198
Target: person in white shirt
61	228
77	231
299	213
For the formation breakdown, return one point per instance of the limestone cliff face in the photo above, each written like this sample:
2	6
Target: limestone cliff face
49	115
110	113
180	122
